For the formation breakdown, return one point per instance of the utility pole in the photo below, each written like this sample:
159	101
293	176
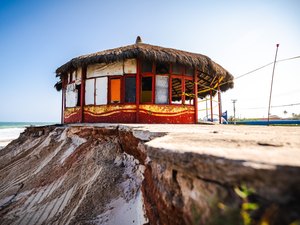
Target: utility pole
233	102
277	45
206	108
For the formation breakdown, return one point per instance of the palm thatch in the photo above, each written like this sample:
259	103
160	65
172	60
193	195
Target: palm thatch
207	69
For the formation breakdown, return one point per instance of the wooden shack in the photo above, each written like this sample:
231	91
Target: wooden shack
139	83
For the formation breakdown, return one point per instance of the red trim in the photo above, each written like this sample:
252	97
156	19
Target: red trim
182	88
185	79
122	91
137	89
62	107
153	89
170	90
211	107
82	93
95	90
220	105
196	95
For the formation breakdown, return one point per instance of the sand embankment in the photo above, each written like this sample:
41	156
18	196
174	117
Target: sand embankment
156	174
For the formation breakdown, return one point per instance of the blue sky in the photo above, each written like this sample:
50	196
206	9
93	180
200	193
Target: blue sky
39	36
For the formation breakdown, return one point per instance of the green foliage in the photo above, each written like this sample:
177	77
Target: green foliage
237	213
297	222
244	192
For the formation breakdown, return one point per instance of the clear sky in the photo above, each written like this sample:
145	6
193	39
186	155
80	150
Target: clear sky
36	37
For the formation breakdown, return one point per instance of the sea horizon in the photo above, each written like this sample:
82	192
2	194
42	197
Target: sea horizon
11	130
17	124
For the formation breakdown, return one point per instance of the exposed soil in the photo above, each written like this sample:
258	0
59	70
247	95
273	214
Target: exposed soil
151	174
67	176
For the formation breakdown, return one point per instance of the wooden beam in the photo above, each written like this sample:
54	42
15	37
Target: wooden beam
82	94
208	81
137	89
220	104
62	99
196	96
211	107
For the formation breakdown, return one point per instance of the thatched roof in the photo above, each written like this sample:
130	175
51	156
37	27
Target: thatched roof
207	69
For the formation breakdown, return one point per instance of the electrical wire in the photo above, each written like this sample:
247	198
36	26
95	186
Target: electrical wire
259	68
274	106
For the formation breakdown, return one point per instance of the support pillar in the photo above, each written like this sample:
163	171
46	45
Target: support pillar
137	90
62	99
211	107
220	105
196	95
82	94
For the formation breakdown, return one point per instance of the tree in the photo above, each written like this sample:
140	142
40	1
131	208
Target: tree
295	116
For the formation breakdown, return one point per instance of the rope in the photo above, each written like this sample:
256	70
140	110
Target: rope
208	88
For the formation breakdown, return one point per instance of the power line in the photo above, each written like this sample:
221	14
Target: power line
296	57
274	106
259	68
285	105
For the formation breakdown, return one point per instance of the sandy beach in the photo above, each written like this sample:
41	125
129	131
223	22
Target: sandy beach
9	134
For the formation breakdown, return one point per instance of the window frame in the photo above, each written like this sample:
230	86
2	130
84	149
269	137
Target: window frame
186	77
172	76
94	91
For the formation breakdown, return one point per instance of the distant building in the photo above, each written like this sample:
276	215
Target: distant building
138	83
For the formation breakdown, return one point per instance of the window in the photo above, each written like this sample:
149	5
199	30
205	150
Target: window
161	89
101	90
146	66
72	99
189	92
176	91
177	68
96	91
162	68
90	92
115	90
146	89
130	89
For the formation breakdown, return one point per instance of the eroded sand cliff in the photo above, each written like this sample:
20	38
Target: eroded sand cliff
160	174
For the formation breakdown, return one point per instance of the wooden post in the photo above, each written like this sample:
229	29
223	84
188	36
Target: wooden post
220	104
137	90
82	94
62	100
211	107
196	95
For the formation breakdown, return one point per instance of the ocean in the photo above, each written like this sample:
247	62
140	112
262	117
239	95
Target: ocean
11	130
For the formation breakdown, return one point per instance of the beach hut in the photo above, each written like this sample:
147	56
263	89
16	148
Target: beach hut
139	83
